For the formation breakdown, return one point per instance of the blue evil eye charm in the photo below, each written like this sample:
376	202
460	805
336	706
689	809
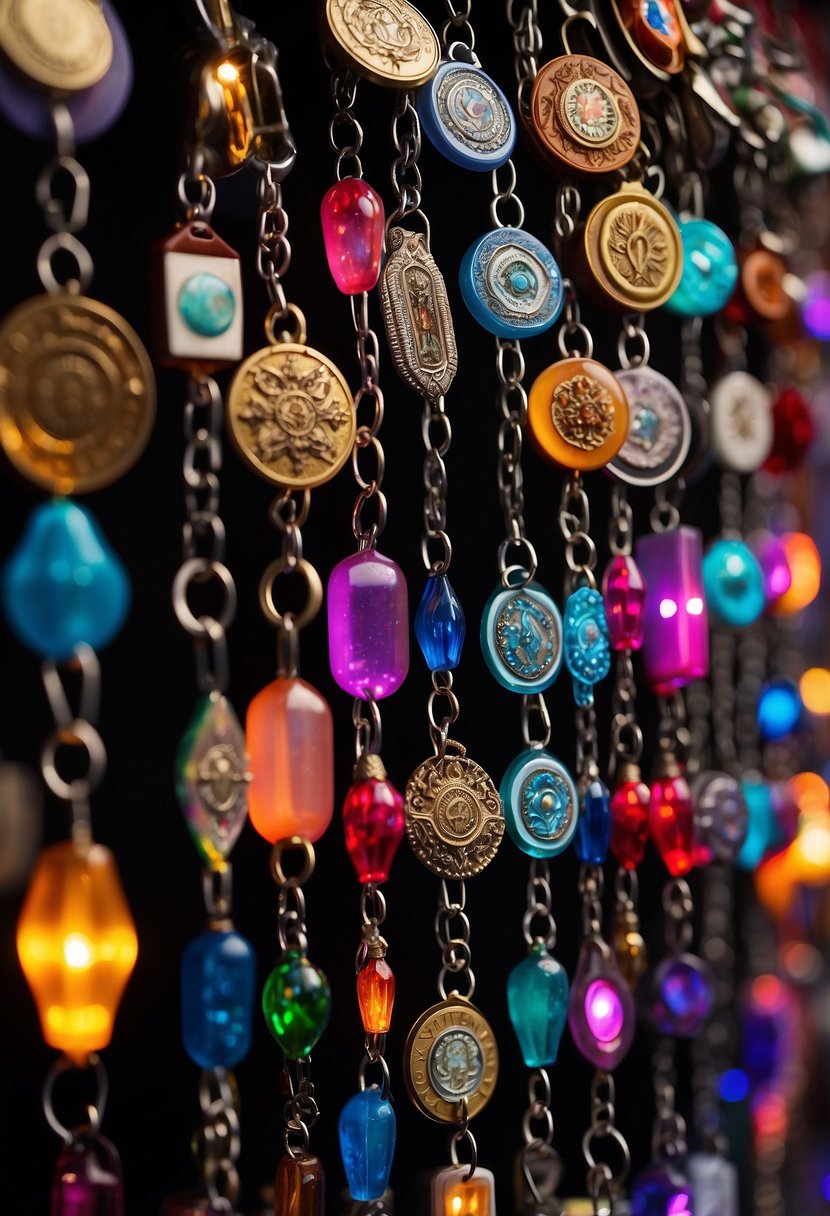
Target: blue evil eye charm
710	270
511	284
733	583
521	637
662	1190
682	995
218	994
586	645
779	709
593	832
467	117
367	1142
537	1000
439	624
541	806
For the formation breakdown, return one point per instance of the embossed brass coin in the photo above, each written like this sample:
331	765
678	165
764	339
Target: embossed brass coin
416	314
77	394
454	820
450	1055
387	41
291	415
584	115
61	44
577	414
633	250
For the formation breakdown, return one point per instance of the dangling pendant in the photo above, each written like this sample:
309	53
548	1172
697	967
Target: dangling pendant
710	270
393	45
601	1012
541	805
740	415
511	283
454	820
199	324
466	116
584	117
578	414
450	1055
521	637
63	47
416	314
721	817
659	429
587	648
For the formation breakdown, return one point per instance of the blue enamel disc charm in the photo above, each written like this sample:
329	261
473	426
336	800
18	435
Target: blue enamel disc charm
511	283
710	270
521	637
541	806
586	644
467	117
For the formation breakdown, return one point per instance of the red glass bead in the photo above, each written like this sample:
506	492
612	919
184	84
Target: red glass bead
624	593
629	820
373	820
793	432
671	820
353	224
376	995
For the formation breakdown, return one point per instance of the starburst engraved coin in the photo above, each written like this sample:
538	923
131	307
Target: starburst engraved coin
451	1056
454	820
741	420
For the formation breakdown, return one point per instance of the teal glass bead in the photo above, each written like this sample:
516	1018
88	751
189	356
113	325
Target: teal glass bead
439	625
593	833
733	584
521	637
763	830
367	1142
218	990
206	304
296	1002
710	270
537	1000
64	584
585	642
541	806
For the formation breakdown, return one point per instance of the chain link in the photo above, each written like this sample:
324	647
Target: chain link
672	733
273	256
714	1049
217	1143
405	171
452	933
665	514
62	193
669	1135
345	132
369	394
506	209
575	525
603	1181
539	907
300	1111
76	730
437	435
527	46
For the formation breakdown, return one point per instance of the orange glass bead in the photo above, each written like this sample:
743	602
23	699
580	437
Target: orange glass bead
376	995
300	1186
290	741
77	945
578	414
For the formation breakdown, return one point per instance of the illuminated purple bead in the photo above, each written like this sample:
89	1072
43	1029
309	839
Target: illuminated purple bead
815	309
772	558
682	995
675	627
624	593
353	223
87	1181
601	1009
368	624
661	1190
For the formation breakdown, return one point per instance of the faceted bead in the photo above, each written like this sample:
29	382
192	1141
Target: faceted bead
374	823
290	739
64	584
211	778
601	1010
682	995
714	1183
780	708
88	1181
593	831
763	831
439	625
771	556
367	1142
629	819
206	304
793	432
734	584
300	1186
675	628
537	999
671	821
353	225
376	995
661	1190
368	624
624	593
721	817
296	1001
629	946
218	993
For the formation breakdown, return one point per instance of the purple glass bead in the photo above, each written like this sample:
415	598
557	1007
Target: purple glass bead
601	1009
681	995
675	627
661	1190
87	1181
368	624
771	556
624	593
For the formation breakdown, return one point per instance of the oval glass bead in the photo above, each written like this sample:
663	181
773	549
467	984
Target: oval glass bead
710	270
771	555
88	1180
537	999
794	431
439	625
64	584
624	594
368	624
629	820
466	117
367	1129
296	1002
521	637
593	831
218	991
353	225
511	284
541	805
733	583
675	627
601	1009
300	1186
763	830
671	821
374	823
682	995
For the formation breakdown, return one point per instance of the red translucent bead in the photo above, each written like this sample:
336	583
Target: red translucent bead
353	223
793	432
624	593
373	820
672	824
376	995
629	821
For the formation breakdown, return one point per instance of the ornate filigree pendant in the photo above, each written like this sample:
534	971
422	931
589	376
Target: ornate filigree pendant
584	116
541	805
416	314
511	283
578	414
386	41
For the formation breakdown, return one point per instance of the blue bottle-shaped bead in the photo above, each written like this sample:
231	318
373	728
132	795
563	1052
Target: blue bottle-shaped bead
661	1190
64	584
585	642
733	583
439	624
367	1142
218	994
593	832
537	999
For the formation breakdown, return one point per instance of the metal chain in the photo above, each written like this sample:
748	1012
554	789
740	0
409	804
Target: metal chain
678	908
196	190
669	1135
62	192
699	707
724	700
575	525
405	169
273	256
672	731
566	215
692	380
217	1143
538	924
75	729
512	404
506	209
527	46
300	1111
714	1049
541	1164
591	889
457	29
452	933
626	735
603	1181
345	132
665	514
369	395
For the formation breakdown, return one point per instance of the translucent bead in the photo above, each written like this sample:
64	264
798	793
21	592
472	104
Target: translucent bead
585	641
211	778
734	584
367	1142
601	1009
88	1181
218	992
439	625
771	556
376	995
794	431
624	593
207	304
815	308
629	818
455	1193
763	831
300	1186
296	1002
353	225
593	831
675	629
710	269
290	740
671	821
537	999
629	945
661	1190
368	624
780	709
373	820
64	584
714	1184
682	995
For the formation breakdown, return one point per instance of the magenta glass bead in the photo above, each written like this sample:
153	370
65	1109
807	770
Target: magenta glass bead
675	627
87	1181
624	593
601	1011
368	624
353	224
772	558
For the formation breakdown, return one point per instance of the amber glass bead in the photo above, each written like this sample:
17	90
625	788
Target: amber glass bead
300	1186
578	414
376	995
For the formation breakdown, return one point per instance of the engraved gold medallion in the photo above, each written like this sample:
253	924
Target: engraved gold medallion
454	817
77	393
416	314
633	250
60	44
387	41
451	1056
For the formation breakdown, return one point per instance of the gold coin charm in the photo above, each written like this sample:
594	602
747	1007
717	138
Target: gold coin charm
60	44
450	1056
291	415
578	414
632	251
386	41
77	394
454	817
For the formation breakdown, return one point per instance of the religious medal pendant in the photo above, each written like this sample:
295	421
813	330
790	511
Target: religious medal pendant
416	314
466	115
393	45
451	1061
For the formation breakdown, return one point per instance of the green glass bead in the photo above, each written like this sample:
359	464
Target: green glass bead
296	1001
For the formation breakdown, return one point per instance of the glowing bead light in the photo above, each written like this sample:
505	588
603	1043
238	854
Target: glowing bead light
814	687
805	568
779	708
601	1010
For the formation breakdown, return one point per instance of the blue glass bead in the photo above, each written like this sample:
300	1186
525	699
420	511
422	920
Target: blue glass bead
593	833
779	708
367	1142
206	304
467	117
537	999
681	995
586	644
763	830
63	584
521	637
511	283
218	994
710	270
439	624
541	806
661	1190
733	584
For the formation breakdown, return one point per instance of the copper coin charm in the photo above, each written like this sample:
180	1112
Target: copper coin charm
454	819
631	250
584	115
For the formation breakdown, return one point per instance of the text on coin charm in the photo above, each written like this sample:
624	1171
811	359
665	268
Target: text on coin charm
454	820
584	115
450	1056
416	314
387	41
659	429
59	44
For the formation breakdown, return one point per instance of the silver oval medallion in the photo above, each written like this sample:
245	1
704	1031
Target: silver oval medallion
416	315
659	429
721	815
741	421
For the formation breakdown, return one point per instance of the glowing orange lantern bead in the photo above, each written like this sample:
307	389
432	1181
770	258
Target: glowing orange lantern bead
77	945
376	995
805	567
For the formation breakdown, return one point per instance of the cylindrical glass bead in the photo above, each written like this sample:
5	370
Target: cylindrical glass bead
218	991
368	624
624	594
675	629
300	1186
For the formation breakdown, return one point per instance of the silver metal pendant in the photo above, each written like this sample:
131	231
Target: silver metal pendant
659	429
416	314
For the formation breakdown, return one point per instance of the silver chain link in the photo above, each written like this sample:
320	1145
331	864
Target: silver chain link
713	1051
527	46
273	256
405	172
76	729
602	1180
345	132
669	1134
62	193
452	933
217	1143
369	395
575	526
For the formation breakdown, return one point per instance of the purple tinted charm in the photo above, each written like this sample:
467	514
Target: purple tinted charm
681	995
593	830
661	1190
368	624
675	628
771	555
601	1009
624	593
87	1181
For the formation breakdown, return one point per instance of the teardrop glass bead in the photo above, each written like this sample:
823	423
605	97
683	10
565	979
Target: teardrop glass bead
63	584
780	708
629	820
624	595
601	1010
671	822
212	778
300	1186
296	1002
88	1181
374	823
439	625
593	831
661	1190
537	1000
629	946
376	995
218	990
367	1143
733	583
682	995
353	225
368	614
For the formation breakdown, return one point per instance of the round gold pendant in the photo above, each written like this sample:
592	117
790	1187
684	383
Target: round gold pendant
633	250
77	394
454	818
291	415
386	41
60	44
450	1055
578	414
584	115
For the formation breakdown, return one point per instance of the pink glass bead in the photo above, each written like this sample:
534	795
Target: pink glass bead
368	624
373	821
771	555
353	224
672	822
624	593
675	627
87	1181
601	1009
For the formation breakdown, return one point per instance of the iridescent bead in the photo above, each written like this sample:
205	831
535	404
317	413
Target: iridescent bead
733	583
218	989
671	821
368	624
629	818
593	830
439	625
682	995
296	1002
629	945
661	1190
353	224
624	593
537	999
88	1181
299	1186
211	778
373	820
601	1009
710	269
780	709
675	629
367	1142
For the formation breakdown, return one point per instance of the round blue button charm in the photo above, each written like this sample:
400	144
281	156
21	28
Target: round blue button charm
541	806
467	117
710	270
511	283
521	637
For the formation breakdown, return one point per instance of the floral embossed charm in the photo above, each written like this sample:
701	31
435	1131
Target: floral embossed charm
584	115
416	314
578	414
587	647
541	805
387	41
